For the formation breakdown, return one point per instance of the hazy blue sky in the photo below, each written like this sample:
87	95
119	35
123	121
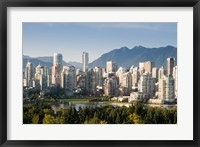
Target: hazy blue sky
71	39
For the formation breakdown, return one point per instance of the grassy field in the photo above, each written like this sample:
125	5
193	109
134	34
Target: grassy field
76	100
83	100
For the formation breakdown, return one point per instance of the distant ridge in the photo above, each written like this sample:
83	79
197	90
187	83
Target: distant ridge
45	61
126	57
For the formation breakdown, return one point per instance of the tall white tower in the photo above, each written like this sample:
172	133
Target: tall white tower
29	74
161	72
170	65
57	68
111	66
85	61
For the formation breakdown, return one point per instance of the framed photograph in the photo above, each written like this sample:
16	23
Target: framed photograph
99	73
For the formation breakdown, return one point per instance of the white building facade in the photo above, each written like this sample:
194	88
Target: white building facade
57	69
68	82
85	61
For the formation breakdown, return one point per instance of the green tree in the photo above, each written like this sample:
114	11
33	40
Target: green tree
35	119
149	116
103	122
117	120
138	108
94	120
158	116
60	120
136	119
112	116
175	117
48	119
28	113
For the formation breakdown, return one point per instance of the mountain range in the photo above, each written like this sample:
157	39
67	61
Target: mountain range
46	61
126	57
123	56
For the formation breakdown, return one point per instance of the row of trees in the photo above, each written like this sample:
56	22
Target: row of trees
40	113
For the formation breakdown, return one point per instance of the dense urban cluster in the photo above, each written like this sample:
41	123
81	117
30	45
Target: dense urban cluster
136	83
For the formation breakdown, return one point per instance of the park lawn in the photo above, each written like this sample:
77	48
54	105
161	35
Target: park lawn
76	100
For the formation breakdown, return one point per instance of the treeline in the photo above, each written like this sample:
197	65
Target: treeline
135	114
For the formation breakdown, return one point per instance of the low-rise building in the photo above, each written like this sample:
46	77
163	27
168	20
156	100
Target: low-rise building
155	101
135	96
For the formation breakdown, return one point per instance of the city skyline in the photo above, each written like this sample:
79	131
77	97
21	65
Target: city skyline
128	84
118	77
43	39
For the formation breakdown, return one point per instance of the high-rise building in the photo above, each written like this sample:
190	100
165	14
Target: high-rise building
148	65
90	82
85	61
111	86
104	74
43	82
79	72
127	82
141	65
170	65
141	68
57	58
161	72
29	74
155	73
135	76
41	77
111	67
57	69
131	69
38	71
49	80
93	79
25	82
146	85
175	76
166	88
98	76
80	81
119	74
46	71
68	82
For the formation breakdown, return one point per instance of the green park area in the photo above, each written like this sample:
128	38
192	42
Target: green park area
84	100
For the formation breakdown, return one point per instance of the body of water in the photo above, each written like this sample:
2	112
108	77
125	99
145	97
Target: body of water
56	107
